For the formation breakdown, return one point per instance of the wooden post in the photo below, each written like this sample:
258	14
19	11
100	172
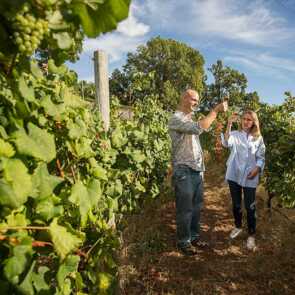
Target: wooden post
102	97
102	92
82	89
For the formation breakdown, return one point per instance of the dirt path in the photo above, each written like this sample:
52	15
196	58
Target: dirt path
150	263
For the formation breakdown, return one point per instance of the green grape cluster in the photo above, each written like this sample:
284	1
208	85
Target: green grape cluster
28	31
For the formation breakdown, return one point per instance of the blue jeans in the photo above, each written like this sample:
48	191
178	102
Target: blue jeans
188	185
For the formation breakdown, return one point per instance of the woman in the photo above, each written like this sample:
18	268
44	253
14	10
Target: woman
244	165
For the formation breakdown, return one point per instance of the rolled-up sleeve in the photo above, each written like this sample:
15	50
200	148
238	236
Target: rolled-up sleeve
260	155
188	127
227	143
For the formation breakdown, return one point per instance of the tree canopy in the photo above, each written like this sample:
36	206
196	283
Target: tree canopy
230	83
167	68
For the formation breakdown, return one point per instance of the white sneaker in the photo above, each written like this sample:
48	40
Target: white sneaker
235	232
251	243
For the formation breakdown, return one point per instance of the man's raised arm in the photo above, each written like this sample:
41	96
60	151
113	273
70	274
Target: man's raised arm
206	122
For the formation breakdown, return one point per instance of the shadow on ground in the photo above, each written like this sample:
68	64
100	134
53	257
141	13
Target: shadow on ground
150	263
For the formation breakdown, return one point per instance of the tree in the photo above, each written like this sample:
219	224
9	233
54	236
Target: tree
174	66
120	86
133	87
229	83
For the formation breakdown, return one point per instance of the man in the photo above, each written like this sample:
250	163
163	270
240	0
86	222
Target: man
188	168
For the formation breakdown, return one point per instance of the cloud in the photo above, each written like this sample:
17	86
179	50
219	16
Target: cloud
264	64
237	20
251	22
202	21
116	45
128	36
160	13
278	62
131	27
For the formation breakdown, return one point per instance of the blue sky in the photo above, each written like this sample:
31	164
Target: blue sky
254	37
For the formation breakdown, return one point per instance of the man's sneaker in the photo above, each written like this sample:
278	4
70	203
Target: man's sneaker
200	243
235	232
251	243
188	250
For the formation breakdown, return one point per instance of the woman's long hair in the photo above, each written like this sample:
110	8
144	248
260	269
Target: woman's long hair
255	129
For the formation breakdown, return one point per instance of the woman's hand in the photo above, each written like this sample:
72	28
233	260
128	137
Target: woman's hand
233	118
253	173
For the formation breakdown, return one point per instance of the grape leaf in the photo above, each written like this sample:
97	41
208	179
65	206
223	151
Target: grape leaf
51	108
82	148
100	173
118	139
26	91
85	197
14	266
102	19
138	156
36	71
64	242
38	143
46	209
39	280
57	22
69	265
63	39
26	287
6	149
16	185
52	68
75	130
43	182
15	218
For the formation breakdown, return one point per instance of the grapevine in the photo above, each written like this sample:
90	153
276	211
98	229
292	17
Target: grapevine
64	181
29	31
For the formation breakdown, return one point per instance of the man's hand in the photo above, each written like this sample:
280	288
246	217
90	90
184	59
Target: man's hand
221	107
253	173
206	122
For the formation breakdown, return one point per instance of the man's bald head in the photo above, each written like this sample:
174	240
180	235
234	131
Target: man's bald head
189	92
189	98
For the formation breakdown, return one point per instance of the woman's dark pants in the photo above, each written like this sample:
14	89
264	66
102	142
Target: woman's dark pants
249	203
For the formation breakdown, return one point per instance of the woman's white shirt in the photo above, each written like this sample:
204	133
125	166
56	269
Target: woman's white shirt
246	153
